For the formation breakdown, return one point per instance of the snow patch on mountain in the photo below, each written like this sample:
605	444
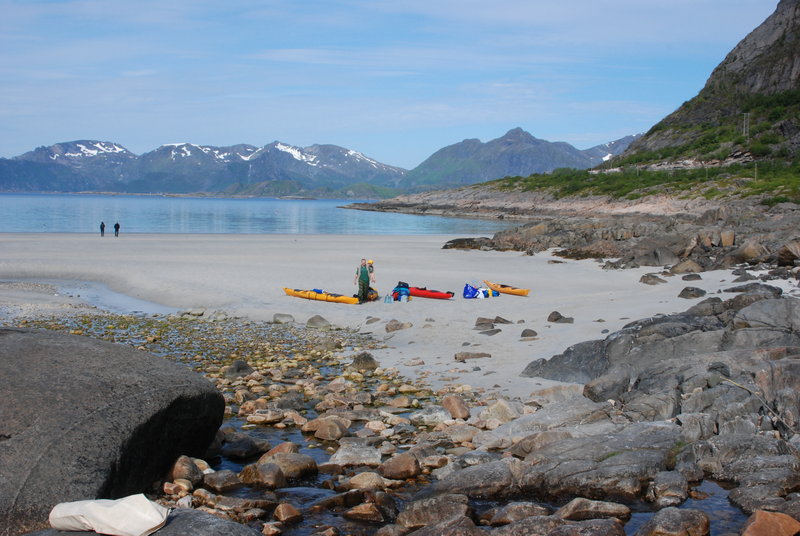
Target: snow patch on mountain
359	156
91	150
252	153
297	154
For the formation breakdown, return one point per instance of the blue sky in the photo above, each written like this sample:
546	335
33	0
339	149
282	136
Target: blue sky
395	80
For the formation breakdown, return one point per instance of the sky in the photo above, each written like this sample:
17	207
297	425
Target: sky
396	80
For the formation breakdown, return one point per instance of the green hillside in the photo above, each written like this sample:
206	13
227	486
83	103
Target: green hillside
739	137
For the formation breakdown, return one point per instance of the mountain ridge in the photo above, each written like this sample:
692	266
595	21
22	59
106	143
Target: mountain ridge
276	169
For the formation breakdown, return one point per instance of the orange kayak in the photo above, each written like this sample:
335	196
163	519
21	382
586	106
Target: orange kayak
507	289
321	296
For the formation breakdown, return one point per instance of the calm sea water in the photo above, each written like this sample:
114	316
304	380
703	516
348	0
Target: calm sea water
57	213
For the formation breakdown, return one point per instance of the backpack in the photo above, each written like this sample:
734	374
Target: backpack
470	291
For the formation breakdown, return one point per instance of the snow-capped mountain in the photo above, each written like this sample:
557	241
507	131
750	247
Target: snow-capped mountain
275	169
282	169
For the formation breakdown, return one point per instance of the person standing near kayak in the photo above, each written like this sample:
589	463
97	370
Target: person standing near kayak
363	277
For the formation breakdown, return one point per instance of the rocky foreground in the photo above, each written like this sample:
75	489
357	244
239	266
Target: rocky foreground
318	443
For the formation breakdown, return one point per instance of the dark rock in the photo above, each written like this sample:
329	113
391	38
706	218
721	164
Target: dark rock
237	369
757	288
501	320
651	279
490	332
468	243
242	446
579	363
291	400
691	293
527	332
558	318
120	419
222	481
692	277
364	362
482	323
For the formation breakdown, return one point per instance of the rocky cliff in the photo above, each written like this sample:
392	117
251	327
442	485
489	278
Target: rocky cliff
750	102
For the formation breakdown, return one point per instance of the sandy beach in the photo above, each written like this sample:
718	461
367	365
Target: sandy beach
244	275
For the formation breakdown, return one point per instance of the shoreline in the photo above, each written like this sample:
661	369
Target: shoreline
243	276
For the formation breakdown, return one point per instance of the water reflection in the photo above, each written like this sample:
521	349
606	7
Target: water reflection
159	214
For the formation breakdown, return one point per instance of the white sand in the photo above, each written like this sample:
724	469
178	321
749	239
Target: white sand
244	275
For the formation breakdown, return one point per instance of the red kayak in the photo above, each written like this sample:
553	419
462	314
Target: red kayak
422	292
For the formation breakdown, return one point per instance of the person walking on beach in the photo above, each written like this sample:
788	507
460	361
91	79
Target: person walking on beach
363	276
102	228
116	229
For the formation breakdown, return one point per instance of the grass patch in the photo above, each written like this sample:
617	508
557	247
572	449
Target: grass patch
771	178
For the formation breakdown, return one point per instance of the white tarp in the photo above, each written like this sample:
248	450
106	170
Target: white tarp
135	515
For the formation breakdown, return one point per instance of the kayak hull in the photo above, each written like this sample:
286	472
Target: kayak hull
422	292
320	296
507	289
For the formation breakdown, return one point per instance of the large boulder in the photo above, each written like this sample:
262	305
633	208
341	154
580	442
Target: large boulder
85	419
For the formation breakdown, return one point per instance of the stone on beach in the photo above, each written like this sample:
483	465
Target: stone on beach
456	406
293	465
222	481
113	401
364	361
318	322
186	468
651	279
282	318
463	356
396	325
400	466
267	475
